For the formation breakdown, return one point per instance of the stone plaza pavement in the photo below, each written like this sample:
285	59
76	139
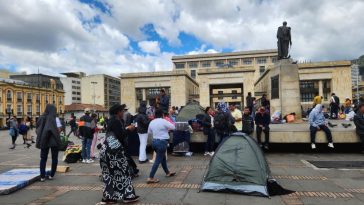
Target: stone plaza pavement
81	185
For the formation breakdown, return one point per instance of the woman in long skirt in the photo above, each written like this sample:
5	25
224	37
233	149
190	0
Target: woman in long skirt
114	164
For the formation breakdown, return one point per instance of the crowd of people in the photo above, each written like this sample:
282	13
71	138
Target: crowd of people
118	167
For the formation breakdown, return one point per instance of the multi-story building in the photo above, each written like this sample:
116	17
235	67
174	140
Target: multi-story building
72	87
100	89
22	99
39	80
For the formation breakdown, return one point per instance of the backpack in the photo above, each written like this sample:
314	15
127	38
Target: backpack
23	129
220	121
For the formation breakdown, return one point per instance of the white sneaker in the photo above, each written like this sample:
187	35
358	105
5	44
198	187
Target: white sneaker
212	154
84	161
206	153
313	146
331	145
89	161
42	179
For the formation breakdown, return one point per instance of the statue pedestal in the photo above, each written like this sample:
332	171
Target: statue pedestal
284	88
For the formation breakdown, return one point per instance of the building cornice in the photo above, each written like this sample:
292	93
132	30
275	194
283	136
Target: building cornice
225	70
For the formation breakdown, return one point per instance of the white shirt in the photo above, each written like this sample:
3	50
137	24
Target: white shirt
212	121
159	128
58	122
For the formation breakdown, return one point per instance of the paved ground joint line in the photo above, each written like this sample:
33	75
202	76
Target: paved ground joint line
44	199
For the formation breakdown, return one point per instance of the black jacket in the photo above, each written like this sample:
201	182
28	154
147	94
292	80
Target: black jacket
142	123
248	124
206	123
359	123
118	128
85	128
262	119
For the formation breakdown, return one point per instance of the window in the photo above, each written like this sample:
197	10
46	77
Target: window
8	108
46	99
220	92
261	69
29	97
38	98
274	59
19	109
219	63
247	61
19	96
234	92
73	81
234	62
73	93
78	93
192	64
74	98
261	60
54	99
234	97
29	109
60	100
78	98
193	74
206	64
326	85
275	87
180	65
38	109
308	90
9	96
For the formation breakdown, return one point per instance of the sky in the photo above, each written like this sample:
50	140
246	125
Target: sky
122	36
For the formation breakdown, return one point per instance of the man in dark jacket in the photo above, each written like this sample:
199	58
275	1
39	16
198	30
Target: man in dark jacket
249	101
142	123
208	130
262	121
359	123
73	125
164	101
87	136
248	122
223	121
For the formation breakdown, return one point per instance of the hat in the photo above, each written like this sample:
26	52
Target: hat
87	110
116	108
125	108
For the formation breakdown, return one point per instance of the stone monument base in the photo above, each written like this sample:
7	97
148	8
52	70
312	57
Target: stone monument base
284	88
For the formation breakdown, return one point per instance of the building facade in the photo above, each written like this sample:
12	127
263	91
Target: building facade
22	99
229	77
146	87
100	89
72	87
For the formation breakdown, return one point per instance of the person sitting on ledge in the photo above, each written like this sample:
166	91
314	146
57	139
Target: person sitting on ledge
359	123
318	122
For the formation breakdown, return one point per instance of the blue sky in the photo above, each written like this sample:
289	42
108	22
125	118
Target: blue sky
120	36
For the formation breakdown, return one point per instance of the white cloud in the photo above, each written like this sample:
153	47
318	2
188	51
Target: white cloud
61	36
149	47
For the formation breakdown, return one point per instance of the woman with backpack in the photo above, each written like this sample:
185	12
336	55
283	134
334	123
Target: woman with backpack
13	131
48	138
223	121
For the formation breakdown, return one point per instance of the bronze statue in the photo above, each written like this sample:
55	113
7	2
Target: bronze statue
284	41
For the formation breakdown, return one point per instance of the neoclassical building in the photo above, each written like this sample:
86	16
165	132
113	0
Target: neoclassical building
23	99
230	76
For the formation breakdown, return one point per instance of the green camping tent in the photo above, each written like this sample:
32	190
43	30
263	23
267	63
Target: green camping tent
189	112
238	166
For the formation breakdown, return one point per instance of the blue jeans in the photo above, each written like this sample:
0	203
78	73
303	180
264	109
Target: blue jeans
43	161
86	148
160	148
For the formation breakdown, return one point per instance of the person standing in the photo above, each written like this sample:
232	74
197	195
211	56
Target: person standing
208	130
248	122
236	113
249	102
318	122
87	136
24	129
262	121
13	131
265	103
359	123
48	138
159	128
163	101
142	129
223	121
334	106
73	125
113	161
94	130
